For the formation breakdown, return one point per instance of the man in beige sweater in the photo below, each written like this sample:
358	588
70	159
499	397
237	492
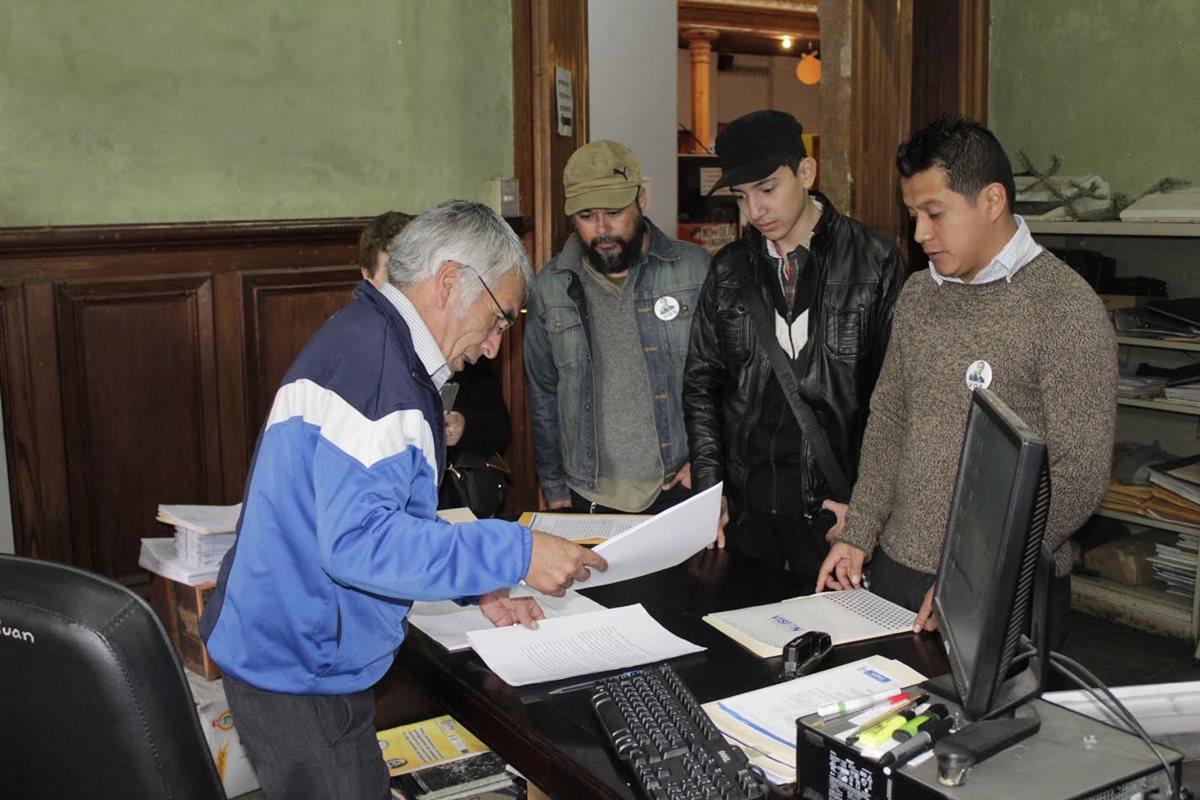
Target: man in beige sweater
994	310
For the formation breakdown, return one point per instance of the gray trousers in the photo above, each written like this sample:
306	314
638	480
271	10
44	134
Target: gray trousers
310	746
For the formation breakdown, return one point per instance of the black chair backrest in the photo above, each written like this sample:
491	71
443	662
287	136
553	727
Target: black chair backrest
93	701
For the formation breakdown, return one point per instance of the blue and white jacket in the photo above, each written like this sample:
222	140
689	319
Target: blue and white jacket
339	531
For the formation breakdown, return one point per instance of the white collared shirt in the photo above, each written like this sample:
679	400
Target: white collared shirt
1020	250
426	346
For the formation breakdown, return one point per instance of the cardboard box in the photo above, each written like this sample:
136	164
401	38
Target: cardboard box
180	607
233	766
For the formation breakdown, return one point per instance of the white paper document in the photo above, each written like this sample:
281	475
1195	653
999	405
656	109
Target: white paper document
586	527
201	519
773	710
448	623
580	644
664	540
765	719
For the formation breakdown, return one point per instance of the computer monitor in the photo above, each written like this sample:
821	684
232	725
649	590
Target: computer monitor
984	596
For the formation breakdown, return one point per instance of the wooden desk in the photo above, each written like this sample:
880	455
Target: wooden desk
555	741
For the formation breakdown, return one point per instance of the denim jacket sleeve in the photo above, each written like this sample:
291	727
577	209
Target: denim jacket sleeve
543	396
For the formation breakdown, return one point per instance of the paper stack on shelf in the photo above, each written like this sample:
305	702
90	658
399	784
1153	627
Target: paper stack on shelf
1175	564
158	556
1180	477
203	534
1154	502
1187	393
1138	386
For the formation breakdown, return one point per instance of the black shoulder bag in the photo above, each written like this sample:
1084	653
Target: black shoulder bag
479	482
809	426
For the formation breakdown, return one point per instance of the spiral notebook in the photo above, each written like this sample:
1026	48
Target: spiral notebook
849	616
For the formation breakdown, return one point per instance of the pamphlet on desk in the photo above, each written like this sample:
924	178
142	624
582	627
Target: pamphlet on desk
764	720
847	616
660	542
580	644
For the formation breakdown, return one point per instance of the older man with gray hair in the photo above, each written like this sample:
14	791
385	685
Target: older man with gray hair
339	532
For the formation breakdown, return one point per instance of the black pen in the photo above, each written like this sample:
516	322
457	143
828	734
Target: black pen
573	687
929	733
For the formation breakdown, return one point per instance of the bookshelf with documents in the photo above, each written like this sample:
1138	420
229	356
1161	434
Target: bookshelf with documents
1168	251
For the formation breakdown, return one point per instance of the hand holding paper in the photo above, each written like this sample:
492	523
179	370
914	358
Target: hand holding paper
664	540
556	564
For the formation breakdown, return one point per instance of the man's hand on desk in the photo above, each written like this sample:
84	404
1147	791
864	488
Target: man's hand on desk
925	619
503	610
557	564
722	521
842	568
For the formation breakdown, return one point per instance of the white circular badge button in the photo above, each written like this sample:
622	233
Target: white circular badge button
666	308
979	375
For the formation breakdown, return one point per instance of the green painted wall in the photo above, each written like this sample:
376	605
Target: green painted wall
115	111
1111	86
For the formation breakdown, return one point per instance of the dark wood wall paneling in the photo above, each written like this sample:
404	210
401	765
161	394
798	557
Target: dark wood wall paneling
913	61
138	363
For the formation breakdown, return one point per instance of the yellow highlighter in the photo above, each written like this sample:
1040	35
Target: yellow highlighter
880	733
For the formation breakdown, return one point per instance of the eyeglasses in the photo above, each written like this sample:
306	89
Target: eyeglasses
505	320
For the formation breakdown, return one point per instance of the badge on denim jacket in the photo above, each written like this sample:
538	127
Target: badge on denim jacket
666	308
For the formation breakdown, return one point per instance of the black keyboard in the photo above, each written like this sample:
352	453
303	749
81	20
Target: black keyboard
655	726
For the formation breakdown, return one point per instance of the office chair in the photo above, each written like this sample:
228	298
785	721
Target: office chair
93	701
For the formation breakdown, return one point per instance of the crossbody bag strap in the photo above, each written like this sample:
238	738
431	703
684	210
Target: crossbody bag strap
805	416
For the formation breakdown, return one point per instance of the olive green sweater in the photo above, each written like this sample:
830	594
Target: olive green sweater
1052	354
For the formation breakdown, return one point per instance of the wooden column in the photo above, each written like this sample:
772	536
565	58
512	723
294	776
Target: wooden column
700	46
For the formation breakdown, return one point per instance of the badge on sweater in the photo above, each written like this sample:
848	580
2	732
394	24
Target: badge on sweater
666	308
979	375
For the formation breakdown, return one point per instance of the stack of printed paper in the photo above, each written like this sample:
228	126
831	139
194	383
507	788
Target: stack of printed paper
763	721
203	534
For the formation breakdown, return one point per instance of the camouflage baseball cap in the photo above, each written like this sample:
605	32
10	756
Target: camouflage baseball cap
601	174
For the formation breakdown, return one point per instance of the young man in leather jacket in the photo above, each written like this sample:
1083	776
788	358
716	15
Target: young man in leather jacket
827	284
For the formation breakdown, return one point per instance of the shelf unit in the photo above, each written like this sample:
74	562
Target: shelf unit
1170	252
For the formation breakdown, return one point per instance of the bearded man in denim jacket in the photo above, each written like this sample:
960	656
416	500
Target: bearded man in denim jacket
606	344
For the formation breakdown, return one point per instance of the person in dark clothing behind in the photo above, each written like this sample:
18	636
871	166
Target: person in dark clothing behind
823	286
479	422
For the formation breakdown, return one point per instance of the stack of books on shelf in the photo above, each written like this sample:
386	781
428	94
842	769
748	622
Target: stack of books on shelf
1175	564
439	759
